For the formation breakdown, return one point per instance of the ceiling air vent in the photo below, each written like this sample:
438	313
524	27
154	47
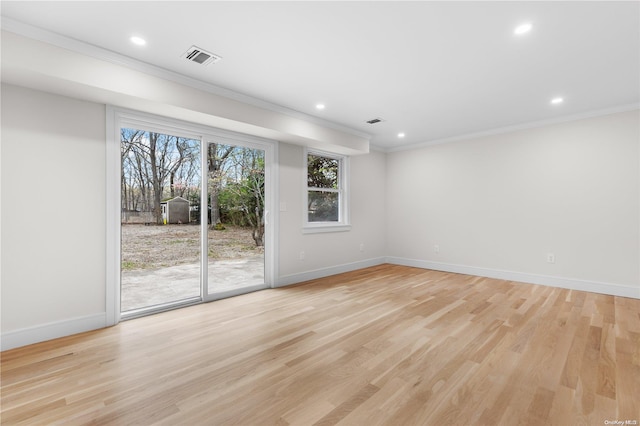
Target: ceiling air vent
375	120
200	56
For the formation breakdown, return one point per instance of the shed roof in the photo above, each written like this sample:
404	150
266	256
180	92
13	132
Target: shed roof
175	200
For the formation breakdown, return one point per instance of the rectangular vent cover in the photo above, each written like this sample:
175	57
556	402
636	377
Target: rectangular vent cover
375	120
200	56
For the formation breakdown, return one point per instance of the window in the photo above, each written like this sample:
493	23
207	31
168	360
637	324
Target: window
326	193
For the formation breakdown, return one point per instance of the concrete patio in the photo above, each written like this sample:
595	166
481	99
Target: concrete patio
143	288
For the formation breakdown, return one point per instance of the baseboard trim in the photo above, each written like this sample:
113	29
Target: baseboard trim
41	333
568	283
53	330
325	272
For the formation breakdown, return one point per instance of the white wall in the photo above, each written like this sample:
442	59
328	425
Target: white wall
492	204
53	258
327	253
53	209
501	203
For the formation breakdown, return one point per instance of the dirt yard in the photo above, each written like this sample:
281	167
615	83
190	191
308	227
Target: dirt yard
157	246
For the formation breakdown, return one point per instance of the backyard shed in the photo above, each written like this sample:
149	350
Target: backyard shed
175	210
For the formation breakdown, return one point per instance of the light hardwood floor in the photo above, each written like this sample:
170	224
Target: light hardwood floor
387	345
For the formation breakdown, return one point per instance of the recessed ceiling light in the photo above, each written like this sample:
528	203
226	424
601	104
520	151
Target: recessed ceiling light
319	106
401	135
523	28
556	101
139	41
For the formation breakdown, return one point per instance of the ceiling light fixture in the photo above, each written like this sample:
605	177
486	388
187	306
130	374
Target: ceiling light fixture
556	101
139	41
401	135
320	106
523	29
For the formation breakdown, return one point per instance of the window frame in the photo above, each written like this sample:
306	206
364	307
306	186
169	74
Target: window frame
343	223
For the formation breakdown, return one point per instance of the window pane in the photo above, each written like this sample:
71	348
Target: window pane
160	240
323	206
236	196
322	172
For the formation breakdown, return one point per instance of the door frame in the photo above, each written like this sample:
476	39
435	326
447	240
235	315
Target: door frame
116	118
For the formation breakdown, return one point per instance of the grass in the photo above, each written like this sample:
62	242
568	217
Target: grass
130	266
181	241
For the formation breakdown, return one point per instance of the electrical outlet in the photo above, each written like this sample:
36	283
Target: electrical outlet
301	255
361	246
551	258
436	248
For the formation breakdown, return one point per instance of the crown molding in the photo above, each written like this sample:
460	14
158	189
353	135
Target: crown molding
87	49
96	52
510	129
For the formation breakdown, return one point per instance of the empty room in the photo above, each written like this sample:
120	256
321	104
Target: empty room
320	213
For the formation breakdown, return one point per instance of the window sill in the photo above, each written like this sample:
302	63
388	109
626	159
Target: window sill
317	229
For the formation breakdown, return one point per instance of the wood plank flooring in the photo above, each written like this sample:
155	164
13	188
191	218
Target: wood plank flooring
387	345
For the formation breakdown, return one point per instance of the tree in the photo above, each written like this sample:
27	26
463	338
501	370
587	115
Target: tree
156	165
244	193
322	188
133	180
184	168
150	160
217	155
255	207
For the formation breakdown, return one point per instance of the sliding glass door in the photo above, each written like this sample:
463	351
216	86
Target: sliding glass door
235	245
193	215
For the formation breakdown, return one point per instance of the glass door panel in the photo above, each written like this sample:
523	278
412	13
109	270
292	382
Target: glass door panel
160	232
236	228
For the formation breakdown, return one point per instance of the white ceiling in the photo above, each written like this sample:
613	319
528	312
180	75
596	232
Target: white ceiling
433	70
